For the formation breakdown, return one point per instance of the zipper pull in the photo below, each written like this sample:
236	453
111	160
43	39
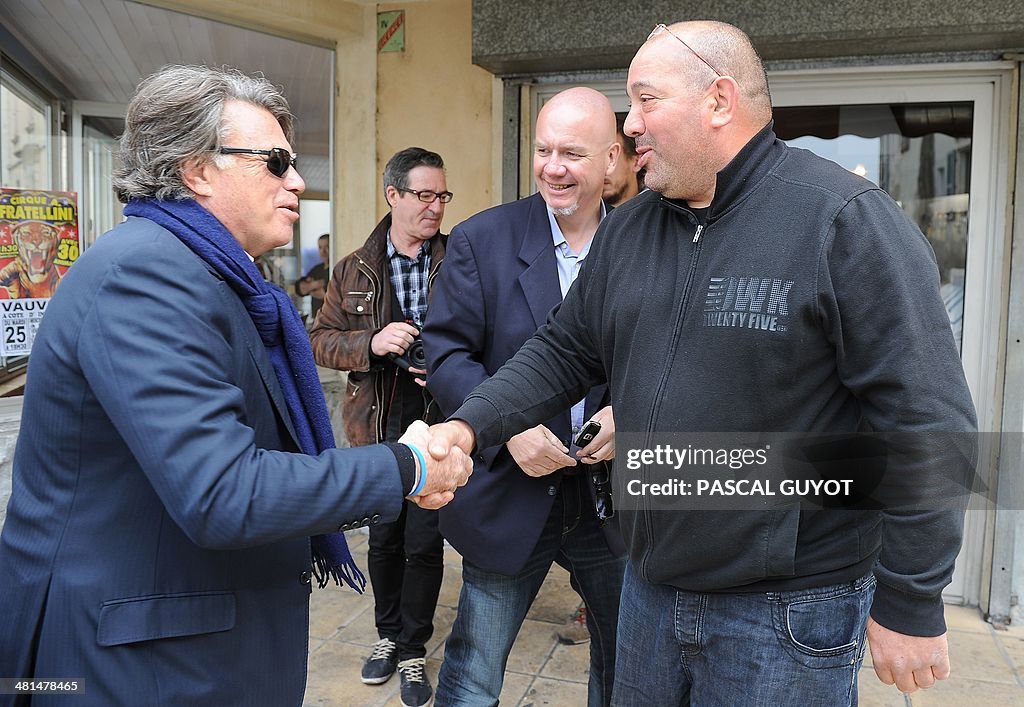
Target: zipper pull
696	236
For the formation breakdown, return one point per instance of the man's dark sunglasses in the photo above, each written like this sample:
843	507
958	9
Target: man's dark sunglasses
427	196
602	491
278	159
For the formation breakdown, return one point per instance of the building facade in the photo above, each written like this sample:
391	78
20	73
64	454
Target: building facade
922	98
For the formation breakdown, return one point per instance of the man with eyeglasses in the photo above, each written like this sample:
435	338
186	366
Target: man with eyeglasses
369	326
534	502
176	486
762	301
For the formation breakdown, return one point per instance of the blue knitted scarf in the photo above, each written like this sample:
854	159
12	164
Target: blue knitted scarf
285	339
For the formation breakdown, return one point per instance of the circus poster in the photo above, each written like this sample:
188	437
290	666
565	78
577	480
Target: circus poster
38	243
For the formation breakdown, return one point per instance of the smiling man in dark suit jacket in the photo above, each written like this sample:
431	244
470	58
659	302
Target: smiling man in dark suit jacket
175	451
531	502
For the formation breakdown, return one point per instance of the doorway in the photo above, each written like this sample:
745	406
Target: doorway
937	138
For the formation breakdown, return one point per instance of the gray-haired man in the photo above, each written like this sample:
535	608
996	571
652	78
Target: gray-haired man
175	449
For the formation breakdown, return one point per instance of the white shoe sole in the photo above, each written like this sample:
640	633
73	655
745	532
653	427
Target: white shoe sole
377	681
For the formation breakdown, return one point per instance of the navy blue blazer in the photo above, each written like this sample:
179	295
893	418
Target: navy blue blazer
498	283
156	544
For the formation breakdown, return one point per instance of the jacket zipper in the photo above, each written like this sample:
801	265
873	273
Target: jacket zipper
378	392
435	268
378	388
659	391
365	270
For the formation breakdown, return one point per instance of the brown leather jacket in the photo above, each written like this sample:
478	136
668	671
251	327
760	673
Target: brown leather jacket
357	306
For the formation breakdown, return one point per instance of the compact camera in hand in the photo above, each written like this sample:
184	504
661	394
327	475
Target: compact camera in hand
414	356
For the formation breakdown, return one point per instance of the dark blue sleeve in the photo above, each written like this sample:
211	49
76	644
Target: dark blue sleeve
453	334
166	370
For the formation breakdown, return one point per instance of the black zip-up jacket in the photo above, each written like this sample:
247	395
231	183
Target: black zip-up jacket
808	303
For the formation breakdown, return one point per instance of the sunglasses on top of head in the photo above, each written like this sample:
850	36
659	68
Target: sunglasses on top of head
278	159
658	28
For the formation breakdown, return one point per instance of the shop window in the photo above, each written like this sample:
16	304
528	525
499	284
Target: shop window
27	156
105	48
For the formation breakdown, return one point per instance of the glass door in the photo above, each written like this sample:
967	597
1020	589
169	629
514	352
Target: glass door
95	129
937	140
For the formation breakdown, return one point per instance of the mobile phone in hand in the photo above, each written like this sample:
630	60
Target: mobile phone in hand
587	434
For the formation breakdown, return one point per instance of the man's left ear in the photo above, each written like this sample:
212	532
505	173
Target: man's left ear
196	176
614	155
726	94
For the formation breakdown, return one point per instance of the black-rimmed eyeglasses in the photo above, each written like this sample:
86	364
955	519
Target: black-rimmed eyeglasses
664	28
278	159
427	196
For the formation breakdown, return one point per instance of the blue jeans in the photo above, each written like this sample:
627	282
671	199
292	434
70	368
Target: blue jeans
492	606
800	647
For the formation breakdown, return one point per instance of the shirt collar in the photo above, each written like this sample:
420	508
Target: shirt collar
559	239
393	251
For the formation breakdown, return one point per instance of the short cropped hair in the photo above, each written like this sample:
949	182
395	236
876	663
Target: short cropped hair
629	147
176	119
628	143
396	171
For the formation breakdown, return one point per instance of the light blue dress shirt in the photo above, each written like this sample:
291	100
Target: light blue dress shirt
569	264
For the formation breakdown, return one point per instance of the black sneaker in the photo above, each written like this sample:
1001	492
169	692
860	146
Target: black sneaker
416	690
381	664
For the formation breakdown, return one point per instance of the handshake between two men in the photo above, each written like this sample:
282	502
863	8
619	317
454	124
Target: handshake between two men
446	449
443	460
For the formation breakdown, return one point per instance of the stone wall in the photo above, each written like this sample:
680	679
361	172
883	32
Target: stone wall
532	36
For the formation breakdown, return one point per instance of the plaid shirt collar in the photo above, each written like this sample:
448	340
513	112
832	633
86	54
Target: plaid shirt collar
409	280
393	251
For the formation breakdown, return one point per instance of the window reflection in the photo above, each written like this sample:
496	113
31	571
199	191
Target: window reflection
24	141
919	153
25	159
101	210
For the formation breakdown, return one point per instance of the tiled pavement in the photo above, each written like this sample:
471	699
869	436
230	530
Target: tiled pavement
539	671
988	665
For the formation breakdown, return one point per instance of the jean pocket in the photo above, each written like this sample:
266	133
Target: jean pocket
824	627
